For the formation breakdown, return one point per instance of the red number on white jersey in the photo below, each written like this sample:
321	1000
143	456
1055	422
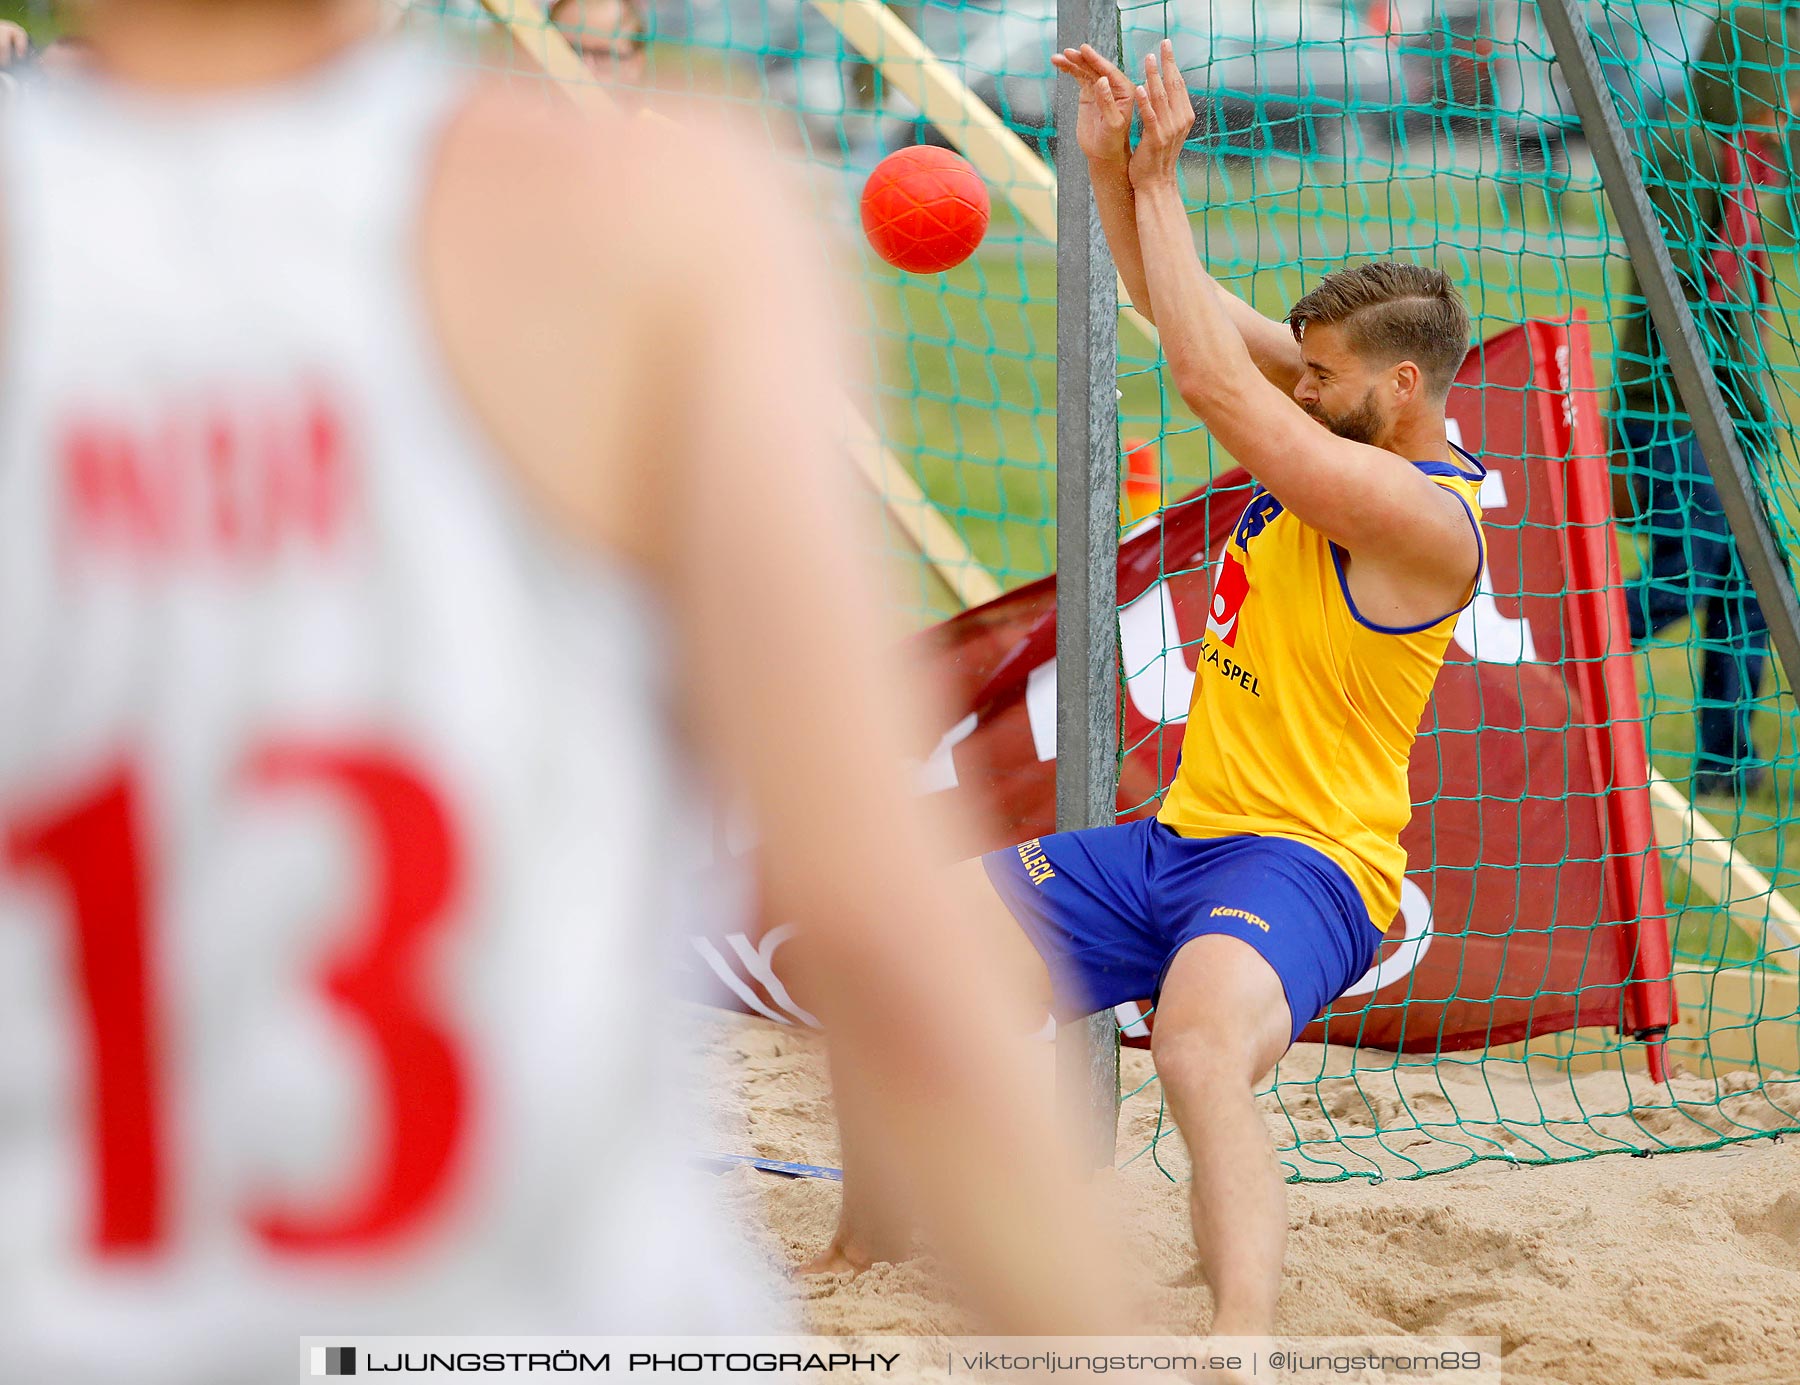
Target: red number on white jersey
96	848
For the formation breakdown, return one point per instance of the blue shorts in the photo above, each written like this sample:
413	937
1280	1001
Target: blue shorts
1109	907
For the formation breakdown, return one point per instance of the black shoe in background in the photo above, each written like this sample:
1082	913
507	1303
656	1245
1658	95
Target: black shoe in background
1739	783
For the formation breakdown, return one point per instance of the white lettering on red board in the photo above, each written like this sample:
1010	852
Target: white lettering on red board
1482	632
939	770
1415	916
1158	680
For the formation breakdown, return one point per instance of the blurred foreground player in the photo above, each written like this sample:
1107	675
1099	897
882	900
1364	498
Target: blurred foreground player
393	521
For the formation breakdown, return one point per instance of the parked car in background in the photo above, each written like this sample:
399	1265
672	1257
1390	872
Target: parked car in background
1306	78
1265	78
1487	68
1268	77
1310	76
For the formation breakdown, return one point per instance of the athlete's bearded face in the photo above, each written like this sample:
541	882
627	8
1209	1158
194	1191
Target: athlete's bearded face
1361	423
1341	390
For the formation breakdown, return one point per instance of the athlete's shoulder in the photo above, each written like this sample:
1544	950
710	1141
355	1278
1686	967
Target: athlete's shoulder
1462	465
1462	474
513	158
582	269
654	184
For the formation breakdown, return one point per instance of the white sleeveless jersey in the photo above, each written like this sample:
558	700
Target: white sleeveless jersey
341	818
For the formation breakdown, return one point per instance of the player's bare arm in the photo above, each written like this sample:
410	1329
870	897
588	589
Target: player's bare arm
1413	551
1103	129
747	522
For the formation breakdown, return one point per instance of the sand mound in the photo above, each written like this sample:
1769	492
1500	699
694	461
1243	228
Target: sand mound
1613	1270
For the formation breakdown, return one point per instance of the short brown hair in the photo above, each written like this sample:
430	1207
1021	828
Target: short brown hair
1391	312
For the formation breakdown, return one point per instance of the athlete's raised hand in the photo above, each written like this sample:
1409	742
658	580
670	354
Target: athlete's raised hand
1167	112
1103	127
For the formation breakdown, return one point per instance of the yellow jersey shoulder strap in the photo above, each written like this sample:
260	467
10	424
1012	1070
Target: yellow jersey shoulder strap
1462	481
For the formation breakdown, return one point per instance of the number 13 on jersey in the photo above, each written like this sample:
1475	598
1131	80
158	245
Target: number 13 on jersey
97	851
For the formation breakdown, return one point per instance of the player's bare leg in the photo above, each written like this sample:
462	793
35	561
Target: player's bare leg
1221	1024
874	1224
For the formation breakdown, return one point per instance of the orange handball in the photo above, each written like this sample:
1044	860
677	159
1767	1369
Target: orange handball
924	209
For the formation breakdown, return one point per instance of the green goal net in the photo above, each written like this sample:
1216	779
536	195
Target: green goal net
1331	133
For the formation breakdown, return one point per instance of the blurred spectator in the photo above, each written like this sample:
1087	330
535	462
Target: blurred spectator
15	44
1719	145
609	35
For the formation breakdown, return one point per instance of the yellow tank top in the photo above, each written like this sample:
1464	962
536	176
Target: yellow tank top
1304	714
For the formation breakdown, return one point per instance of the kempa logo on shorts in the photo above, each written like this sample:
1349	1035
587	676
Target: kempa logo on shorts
334	1360
1221	911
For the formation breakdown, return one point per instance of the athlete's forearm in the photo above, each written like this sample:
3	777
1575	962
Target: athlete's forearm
1343	489
1212	369
1207	354
1271	344
1111	181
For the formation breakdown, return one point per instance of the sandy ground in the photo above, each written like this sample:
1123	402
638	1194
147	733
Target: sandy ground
1610	1271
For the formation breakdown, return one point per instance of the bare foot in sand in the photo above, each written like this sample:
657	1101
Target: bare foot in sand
835	1259
852	1255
